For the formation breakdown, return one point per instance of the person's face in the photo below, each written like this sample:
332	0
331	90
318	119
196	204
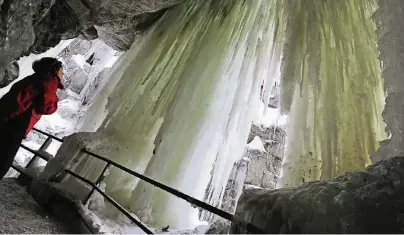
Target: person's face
60	73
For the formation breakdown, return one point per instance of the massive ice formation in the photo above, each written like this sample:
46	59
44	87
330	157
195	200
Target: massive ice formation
185	92
331	87
179	104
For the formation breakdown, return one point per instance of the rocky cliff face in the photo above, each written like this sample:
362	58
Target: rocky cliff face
369	201
28	26
259	168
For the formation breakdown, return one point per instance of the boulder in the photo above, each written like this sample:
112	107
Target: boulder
368	201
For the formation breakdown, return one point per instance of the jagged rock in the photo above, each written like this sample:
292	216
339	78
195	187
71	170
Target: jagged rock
259	167
273	138
368	201
117	22
274	133
35	26
234	186
264	166
79	47
11	73
276	148
263	169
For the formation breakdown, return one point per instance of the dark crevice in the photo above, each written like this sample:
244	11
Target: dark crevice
90	59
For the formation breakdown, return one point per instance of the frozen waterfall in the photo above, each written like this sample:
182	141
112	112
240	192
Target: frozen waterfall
186	91
331	87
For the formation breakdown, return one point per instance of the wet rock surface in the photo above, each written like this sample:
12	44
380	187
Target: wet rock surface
368	201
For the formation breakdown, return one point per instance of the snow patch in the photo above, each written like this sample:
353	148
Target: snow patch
256	143
111	62
250	186
80	60
120	224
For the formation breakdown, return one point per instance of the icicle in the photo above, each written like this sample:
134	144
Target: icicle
331	85
190	87
210	117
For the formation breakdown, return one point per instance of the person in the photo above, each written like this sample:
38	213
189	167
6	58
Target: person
22	107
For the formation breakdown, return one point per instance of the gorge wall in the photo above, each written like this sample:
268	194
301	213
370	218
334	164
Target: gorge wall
28	26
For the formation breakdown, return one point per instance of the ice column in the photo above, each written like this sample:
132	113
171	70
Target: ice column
331	88
207	125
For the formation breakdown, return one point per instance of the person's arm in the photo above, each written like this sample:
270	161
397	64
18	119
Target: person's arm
47	101
24	100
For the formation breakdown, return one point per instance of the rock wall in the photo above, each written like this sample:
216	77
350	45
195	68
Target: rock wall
260	166
390	31
368	201
35	26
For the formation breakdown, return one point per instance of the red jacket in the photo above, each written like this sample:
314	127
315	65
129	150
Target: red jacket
28	100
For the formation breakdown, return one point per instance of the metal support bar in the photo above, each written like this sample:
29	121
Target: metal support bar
18	169
191	200
100	178
43	147
46	158
49	135
112	201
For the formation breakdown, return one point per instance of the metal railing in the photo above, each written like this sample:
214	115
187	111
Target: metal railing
95	187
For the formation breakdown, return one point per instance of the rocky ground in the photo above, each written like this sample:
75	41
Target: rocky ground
21	214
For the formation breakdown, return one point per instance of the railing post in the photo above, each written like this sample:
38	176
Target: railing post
34	161
43	147
112	201
97	182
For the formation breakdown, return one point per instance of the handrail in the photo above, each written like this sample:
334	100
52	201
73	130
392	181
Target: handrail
193	201
36	153
48	135
112	201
